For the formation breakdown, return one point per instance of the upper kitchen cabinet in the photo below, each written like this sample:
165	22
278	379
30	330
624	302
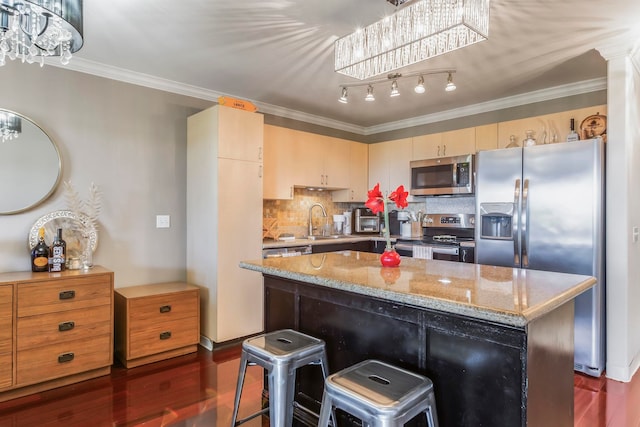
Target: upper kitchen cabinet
358	174
224	220
242	132
322	161
445	144
487	137
389	165
279	162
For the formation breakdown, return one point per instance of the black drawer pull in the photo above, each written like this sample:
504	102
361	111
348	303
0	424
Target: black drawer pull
165	308
67	294
65	357
66	326
165	335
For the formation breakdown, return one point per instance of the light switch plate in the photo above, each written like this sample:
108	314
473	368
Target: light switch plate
163	221
635	234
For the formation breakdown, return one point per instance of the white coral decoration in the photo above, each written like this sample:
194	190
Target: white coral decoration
86	212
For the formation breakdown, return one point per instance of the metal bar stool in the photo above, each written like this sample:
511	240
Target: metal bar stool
381	395
280	353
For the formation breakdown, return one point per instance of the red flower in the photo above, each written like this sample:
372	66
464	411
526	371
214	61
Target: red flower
375	200
400	197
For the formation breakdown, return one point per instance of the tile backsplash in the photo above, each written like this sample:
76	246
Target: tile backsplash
291	216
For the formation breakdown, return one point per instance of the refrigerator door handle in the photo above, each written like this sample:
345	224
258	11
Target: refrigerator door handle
515	226
525	224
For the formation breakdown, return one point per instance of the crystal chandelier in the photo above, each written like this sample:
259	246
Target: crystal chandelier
419	30
32	30
10	126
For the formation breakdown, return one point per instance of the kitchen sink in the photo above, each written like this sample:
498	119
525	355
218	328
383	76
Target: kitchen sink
331	236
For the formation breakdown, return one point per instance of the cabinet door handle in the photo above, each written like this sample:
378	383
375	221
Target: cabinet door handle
444	150
165	335
326	180
66	326
438	151
260	172
165	309
65	357
67	295
259	153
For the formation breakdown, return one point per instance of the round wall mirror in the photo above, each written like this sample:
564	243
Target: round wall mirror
30	164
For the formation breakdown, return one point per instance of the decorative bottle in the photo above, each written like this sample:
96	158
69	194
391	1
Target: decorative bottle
40	254
573	135
58	253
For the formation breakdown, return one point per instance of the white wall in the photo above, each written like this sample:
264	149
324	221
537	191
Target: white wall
623	214
130	141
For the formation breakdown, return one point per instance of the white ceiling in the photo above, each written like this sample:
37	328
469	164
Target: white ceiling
279	53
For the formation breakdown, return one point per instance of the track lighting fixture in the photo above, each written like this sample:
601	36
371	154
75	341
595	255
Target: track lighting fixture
369	96
343	97
420	88
450	85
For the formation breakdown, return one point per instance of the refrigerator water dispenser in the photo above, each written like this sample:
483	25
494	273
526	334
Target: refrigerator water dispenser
496	221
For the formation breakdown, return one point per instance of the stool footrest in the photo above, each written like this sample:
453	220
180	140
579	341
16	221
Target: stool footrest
250	417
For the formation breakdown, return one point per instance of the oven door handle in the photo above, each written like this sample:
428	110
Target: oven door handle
445	250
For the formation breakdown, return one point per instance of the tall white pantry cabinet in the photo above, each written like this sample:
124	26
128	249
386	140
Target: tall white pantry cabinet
224	219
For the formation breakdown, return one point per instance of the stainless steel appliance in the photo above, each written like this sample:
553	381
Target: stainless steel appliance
442	176
365	221
447	237
542	208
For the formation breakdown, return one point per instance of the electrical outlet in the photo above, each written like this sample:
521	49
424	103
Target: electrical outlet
635	234
163	221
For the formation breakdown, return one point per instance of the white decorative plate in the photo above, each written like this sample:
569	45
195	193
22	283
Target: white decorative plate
68	221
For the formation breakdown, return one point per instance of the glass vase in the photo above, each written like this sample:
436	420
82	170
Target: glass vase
87	254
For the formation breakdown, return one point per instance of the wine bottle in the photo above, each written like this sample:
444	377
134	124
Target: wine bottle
58	253
573	135
40	254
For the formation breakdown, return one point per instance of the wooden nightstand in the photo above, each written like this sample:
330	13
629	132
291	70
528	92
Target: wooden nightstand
155	322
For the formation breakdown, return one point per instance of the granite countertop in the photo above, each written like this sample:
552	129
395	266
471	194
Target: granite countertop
505	295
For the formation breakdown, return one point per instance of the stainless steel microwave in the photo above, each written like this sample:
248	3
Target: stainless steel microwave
442	176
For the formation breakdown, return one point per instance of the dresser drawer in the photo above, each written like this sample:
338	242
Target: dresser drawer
60	359
6	318
60	295
150	310
6	370
161	337
84	323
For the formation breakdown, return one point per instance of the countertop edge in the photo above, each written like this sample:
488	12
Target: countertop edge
509	319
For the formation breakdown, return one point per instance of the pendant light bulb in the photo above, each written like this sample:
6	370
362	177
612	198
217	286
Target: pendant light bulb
343	97
420	86
394	89
450	85
369	96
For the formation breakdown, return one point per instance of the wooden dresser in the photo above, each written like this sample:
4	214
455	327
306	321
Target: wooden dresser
55	329
156	322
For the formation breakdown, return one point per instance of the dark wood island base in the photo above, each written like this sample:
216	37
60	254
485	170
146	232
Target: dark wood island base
496	342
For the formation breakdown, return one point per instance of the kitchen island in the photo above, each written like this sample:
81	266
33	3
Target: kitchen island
496	342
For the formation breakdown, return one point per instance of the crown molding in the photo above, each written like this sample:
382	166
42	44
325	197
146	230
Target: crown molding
542	95
146	80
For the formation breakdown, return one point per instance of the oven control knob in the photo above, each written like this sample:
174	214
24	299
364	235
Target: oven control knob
429	220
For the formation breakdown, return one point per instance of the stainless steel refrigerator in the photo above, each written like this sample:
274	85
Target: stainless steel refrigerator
542	208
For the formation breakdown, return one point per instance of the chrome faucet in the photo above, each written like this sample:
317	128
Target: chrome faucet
324	214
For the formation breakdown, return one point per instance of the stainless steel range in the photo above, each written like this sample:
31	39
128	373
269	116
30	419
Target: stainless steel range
448	237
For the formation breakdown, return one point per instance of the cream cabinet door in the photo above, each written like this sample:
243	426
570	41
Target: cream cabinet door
279	162
427	146
358	167
240	134
389	164
336	162
487	137
378	166
309	153
459	142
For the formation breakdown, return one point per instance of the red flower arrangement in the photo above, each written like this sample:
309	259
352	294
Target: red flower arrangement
377	202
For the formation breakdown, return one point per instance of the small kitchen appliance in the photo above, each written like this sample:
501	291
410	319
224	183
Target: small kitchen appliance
365	221
442	176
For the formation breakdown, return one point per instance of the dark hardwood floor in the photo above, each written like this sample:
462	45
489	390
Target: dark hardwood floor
198	390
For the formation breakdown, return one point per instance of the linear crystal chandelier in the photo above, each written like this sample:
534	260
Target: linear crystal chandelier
33	30
419	88
418	30
10	126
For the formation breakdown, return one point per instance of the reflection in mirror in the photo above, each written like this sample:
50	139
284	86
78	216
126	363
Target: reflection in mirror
30	164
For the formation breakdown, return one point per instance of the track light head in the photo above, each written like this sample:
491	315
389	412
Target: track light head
420	86
450	85
369	96
394	89
343	97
